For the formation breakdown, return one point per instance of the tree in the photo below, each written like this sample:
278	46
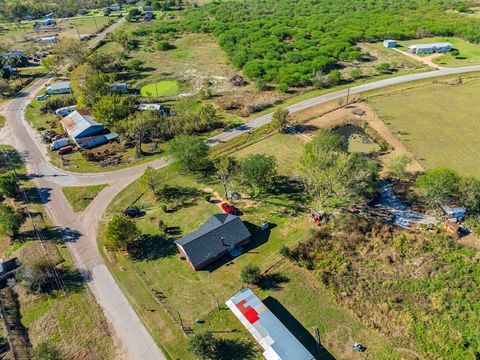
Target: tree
208	114
149	180
164	45
38	275
135	64
334	78
437	186
71	50
335	178
190	151
88	86
4	87
122	38
384	68
356	74
120	233
470	194
203	344
280	119
397	167
251	274
259	171
10	220
52	64
226	170
46	351
8	184
136	128
112	108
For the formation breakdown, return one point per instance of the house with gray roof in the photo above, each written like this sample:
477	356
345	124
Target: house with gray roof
430	48
220	235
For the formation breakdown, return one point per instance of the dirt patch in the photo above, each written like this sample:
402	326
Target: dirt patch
342	115
248	103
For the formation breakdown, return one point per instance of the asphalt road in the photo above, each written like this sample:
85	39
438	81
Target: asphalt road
339	95
79	231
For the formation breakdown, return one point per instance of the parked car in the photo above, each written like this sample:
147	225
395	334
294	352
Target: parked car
229	209
133	212
65	150
42	97
58	143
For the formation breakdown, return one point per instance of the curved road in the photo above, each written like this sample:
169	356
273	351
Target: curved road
79	231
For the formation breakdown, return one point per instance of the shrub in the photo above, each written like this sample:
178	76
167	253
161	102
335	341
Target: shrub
203	345
251	274
284	251
164	45
46	351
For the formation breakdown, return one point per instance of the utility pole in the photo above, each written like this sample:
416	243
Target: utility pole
95	21
348	95
316	335
78	32
180	317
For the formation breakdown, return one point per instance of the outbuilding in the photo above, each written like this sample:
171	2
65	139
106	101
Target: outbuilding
59	88
390	43
454	211
276	340
220	235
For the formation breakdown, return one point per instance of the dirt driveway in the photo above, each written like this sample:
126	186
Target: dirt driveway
427	60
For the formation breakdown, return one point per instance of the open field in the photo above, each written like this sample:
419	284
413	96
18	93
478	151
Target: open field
437	132
80	197
469	52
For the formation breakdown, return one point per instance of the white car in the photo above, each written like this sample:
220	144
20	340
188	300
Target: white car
42	97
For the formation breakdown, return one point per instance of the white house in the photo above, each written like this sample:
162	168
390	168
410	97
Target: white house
115	7
59	88
430	48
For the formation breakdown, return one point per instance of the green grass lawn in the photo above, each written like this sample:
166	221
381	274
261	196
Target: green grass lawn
195	294
469	52
286	148
80	197
161	88
436	131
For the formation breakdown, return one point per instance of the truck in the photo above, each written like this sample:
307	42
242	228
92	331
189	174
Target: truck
57	144
65	150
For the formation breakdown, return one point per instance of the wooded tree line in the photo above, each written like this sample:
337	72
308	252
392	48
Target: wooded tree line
290	42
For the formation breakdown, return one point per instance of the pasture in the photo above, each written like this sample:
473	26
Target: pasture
437	122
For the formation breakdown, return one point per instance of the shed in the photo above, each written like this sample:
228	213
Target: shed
390	43
219	235
94	141
276	340
59	88
454	211
148	16
80	124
